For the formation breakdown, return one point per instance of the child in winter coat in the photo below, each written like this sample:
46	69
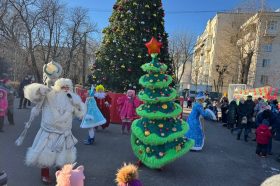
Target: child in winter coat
127	106
263	136
3	107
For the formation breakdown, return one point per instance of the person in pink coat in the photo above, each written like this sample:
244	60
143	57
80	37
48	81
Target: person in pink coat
127	108
3	107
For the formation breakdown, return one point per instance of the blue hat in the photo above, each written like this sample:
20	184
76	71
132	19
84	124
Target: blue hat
91	92
200	95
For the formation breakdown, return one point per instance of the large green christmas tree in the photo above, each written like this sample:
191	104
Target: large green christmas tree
122	52
158	137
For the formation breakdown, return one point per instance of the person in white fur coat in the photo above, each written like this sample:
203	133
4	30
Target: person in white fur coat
54	144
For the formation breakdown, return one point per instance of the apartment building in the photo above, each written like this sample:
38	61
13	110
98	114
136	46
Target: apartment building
230	39
262	35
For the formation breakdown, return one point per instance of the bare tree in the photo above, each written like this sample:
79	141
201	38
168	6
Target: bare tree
196	69
30	15
51	26
78	25
181	51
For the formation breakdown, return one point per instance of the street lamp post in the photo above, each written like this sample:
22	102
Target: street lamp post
221	70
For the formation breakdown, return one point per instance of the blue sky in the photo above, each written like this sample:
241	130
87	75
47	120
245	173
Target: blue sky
100	11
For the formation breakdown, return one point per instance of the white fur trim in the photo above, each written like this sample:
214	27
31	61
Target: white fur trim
272	181
63	82
100	95
48	158
66	156
79	107
198	148
32	92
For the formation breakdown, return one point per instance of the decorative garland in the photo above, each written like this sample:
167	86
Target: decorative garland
155	83
158	114
150	67
156	139
167	157
164	95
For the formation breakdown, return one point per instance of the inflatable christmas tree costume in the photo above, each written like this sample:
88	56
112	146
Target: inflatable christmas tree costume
158	136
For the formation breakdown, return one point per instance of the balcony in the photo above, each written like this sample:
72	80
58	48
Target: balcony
270	32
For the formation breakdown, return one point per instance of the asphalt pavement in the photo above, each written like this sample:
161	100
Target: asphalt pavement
224	161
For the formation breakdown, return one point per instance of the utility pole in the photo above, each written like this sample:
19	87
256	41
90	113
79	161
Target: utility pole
84	60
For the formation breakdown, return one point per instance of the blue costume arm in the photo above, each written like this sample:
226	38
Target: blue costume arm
202	112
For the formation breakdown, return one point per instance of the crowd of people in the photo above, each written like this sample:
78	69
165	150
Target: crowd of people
257	119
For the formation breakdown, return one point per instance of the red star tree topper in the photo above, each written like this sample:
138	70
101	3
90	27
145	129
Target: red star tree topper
153	46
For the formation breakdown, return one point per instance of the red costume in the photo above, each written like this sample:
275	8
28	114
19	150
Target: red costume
104	106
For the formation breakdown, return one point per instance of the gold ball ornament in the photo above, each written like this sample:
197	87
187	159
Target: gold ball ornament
151	80
147	133
160	125
164	106
148	149
178	148
156	75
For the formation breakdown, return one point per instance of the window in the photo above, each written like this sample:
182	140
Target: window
266	62
272	25
264	79
267	47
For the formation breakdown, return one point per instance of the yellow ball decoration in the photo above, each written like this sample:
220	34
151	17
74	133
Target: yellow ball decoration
178	148
151	80
160	125
147	133
156	75
148	149
164	106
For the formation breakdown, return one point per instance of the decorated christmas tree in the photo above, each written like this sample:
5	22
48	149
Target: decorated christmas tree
158	136
122	50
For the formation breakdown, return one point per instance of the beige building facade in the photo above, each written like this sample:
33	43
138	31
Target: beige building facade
227	42
262	33
215	60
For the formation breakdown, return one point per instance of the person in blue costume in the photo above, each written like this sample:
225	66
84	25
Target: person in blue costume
196	130
93	117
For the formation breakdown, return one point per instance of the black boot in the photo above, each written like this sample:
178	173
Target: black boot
246	138
89	141
238	136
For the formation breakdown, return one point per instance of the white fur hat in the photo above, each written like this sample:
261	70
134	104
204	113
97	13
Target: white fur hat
63	82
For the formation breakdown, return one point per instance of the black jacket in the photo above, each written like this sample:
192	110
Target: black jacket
232	112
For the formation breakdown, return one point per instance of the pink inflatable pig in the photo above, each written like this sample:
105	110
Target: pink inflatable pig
68	176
